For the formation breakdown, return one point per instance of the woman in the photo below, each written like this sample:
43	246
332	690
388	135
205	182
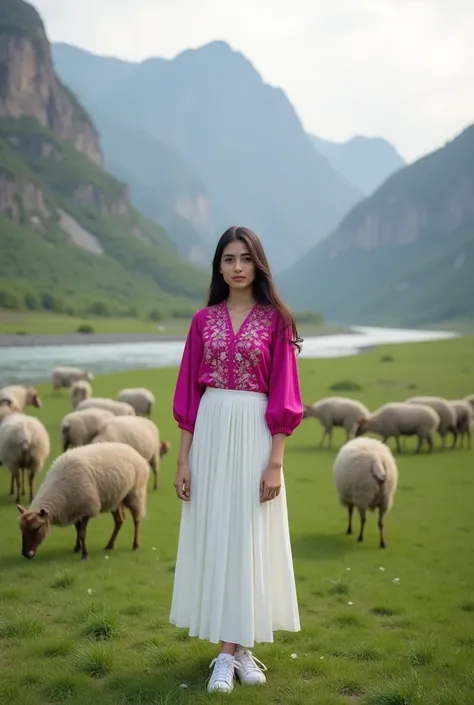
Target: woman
237	398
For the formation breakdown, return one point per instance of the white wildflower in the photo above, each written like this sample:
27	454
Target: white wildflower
293	656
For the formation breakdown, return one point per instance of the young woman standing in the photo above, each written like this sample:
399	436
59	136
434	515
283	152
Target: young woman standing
237	399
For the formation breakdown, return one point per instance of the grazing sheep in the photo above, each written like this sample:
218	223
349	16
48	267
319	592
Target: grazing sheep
445	412
78	428
82	483
336	411
366	476
401	419
79	391
20	396
118	408
24	445
142	434
140	398
65	376
464	418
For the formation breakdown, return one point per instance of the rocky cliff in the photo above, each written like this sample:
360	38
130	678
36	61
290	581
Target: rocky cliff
28	83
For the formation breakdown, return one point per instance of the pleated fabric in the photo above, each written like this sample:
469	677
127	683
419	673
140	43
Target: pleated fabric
234	578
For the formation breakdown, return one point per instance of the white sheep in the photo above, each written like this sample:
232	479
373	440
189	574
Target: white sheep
19	396
464	418
81	484
118	408
79	427
142	434
140	398
24	446
336	411
79	391
65	376
366	476
445	412
397	419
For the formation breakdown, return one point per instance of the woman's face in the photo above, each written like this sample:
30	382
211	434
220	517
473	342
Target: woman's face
237	267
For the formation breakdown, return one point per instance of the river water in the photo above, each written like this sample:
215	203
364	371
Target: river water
34	364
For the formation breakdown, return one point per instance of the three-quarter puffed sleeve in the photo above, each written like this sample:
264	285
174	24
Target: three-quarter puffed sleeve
285	407
188	391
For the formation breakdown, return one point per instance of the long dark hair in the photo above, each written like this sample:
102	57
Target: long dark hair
263	287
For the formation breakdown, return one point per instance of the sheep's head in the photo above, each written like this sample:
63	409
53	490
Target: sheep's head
34	398
34	526
306	409
361	427
164	448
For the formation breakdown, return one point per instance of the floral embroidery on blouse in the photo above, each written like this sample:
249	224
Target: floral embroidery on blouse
216	345
252	338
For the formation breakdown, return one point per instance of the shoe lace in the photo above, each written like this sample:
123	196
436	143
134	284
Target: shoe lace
250	662
222	670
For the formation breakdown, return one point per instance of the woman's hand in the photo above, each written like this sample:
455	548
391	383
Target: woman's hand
270	483
182	483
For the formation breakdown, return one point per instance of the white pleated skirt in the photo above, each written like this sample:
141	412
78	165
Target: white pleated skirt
234	578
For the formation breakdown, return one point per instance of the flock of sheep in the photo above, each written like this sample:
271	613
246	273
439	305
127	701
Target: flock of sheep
109	445
365	471
108	448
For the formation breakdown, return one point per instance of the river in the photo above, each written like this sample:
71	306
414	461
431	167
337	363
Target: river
34	364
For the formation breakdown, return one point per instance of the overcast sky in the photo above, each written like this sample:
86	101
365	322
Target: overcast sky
400	69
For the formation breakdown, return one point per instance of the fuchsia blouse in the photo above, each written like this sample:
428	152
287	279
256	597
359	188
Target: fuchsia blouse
259	358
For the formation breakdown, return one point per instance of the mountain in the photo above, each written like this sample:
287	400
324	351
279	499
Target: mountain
69	236
364	161
241	138
403	256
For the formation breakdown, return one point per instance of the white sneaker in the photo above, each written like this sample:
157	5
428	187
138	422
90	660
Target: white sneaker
222	678
251	669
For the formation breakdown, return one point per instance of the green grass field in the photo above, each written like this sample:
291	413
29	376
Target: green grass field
19	322
393	627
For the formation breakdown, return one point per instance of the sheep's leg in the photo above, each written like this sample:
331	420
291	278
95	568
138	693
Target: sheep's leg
23	483
118	519
136	530
420	443
323	437
82	537
362	524
443	442
12	485
330	437
154	464
455	438
399	448
429	440
18	482
350	509
77	547
380	525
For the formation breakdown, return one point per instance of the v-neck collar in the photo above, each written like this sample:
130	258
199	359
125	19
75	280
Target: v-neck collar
244	322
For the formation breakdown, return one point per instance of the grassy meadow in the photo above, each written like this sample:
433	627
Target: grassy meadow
393	627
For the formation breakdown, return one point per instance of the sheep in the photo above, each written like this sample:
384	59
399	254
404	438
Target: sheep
470	400
336	411
20	396
445	412
81	484
140	398
79	391
24	445
118	408
78	428
401	419
65	376
366	476
464	418
142	434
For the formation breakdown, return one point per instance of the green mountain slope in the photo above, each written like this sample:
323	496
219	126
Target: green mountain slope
69	236
139	266
404	256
